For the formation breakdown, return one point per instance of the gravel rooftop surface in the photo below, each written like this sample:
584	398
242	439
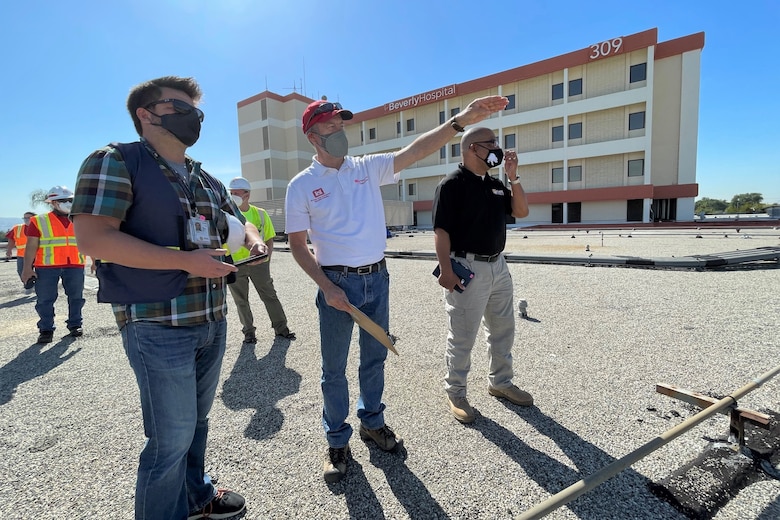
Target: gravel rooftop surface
597	341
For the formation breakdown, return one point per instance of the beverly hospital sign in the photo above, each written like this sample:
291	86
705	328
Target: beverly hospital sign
426	97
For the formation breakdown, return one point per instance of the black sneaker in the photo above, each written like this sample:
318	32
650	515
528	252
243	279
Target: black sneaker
46	336
250	338
224	505
287	335
383	437
76	332
335	466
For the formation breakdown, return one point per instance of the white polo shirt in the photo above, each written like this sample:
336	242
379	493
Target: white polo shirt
342	209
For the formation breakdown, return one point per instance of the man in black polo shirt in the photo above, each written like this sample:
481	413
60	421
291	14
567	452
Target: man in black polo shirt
469	219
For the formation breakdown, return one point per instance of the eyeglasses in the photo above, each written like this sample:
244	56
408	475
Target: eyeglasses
63	200
493	141
179	106
322	109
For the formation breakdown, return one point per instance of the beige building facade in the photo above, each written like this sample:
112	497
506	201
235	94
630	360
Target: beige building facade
604	134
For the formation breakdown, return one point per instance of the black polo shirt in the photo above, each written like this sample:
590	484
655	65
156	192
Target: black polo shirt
473	211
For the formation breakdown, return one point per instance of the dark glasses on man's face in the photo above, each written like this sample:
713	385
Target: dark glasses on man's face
179	106
322	109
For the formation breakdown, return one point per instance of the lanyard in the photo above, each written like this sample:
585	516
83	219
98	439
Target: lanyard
189	189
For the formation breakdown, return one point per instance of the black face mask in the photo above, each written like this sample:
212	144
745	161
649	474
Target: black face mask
185	127
184	124
494	157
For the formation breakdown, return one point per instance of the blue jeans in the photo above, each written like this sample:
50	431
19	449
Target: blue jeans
177	370
46	290
369	293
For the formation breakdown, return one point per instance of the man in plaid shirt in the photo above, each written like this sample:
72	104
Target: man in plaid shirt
157	221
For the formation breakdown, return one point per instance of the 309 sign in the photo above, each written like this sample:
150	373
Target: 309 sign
606	48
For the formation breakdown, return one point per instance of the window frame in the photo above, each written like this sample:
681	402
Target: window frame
558	128
557	170
633	68
631	117
574	168
576	125
577	81
642	169
555	87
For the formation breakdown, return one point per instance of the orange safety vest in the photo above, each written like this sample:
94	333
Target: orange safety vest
57	244
20	239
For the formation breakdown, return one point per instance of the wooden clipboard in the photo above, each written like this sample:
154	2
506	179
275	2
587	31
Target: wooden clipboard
384	337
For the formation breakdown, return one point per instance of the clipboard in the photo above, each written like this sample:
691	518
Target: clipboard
382	336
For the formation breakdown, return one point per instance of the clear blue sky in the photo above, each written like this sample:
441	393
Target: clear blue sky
67	68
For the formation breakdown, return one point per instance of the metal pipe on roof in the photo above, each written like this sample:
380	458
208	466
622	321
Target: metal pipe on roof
575	490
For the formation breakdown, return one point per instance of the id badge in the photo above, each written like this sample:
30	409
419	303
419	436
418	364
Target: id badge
199	231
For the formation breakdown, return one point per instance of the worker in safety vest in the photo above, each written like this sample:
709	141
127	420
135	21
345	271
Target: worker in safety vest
51	255
18	239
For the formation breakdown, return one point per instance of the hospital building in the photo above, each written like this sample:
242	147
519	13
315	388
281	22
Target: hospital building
604	134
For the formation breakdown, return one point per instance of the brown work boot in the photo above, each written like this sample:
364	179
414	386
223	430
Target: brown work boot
335	466
383	437
461	409
512	394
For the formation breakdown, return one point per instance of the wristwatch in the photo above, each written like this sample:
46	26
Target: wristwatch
516	181
454	124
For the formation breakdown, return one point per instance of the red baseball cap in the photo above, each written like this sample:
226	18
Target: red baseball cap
322	110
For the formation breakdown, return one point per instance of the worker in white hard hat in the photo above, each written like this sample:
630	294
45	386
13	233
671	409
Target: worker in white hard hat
52	255
259	274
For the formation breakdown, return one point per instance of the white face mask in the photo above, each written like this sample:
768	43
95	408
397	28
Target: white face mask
237	199
64	207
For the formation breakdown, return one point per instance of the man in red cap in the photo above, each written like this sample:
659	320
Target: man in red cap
337	201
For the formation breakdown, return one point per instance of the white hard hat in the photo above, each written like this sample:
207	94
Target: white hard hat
240	183
58	193
236	233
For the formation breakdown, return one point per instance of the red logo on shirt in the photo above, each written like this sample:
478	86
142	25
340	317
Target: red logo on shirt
361	181
319	192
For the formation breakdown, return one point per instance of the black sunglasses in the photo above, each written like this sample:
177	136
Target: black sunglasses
323	108
179	106
494	142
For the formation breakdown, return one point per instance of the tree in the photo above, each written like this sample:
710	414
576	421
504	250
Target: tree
710	206
746	203
38	198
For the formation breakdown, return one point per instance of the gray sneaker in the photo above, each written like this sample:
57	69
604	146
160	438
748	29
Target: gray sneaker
383	437
335	466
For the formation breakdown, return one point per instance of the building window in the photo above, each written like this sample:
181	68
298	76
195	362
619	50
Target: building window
455	150
575	131
263	109
575	87
509	141
557	213
574	212
400	191
557	91
269	194
398	127
575	173
557	133
634	210
412	189
636	167
410	125
454	111
267	168
636	121
265	138
557	175
511	104
638	72
443	152
372	133
441	117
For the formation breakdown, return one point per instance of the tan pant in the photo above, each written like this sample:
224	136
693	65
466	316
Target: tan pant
260	275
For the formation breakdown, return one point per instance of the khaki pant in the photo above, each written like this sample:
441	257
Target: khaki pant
487	301
260	275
